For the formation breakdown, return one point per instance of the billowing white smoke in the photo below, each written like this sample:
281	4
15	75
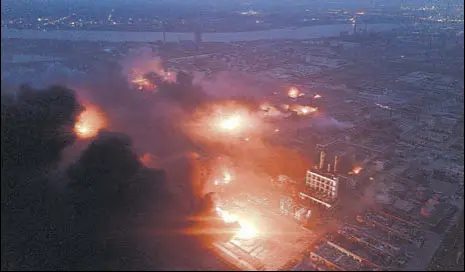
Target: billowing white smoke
142	61
327	122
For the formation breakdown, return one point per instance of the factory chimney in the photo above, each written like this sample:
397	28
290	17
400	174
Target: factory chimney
329	168
322	160
336	164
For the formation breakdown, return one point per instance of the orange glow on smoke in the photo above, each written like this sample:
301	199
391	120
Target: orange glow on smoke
225	179
89	123
149	160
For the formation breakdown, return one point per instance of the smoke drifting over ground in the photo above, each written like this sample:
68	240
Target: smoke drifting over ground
111	199
325	122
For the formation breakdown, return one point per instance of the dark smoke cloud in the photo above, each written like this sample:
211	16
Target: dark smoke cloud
182	92
36	126
109	191
112	199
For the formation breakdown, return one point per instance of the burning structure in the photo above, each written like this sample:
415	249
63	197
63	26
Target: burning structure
89	122
265	241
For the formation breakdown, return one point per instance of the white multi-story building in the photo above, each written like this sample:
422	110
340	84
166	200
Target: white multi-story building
323	184
323	190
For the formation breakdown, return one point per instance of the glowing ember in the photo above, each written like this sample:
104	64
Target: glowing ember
89	123
293	92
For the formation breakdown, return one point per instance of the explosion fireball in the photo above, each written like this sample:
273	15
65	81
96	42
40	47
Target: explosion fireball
231	123
89	123
247	230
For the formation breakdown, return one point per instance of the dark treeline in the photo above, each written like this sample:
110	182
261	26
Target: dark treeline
106	211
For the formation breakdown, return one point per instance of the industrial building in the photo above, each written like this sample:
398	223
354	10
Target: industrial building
333	257
278	241
321	189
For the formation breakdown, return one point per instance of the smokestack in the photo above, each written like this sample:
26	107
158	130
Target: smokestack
329	168
322	160
336	164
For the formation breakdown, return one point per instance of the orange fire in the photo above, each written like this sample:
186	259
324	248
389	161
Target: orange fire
357	170
227	121
89	122
303	110
293	92
142	83
247	230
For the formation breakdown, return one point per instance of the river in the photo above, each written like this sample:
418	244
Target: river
311	32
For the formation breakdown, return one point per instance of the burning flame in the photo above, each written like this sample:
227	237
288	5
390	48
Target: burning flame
304	110
142	83
89	123
357	170
247	230
293	92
